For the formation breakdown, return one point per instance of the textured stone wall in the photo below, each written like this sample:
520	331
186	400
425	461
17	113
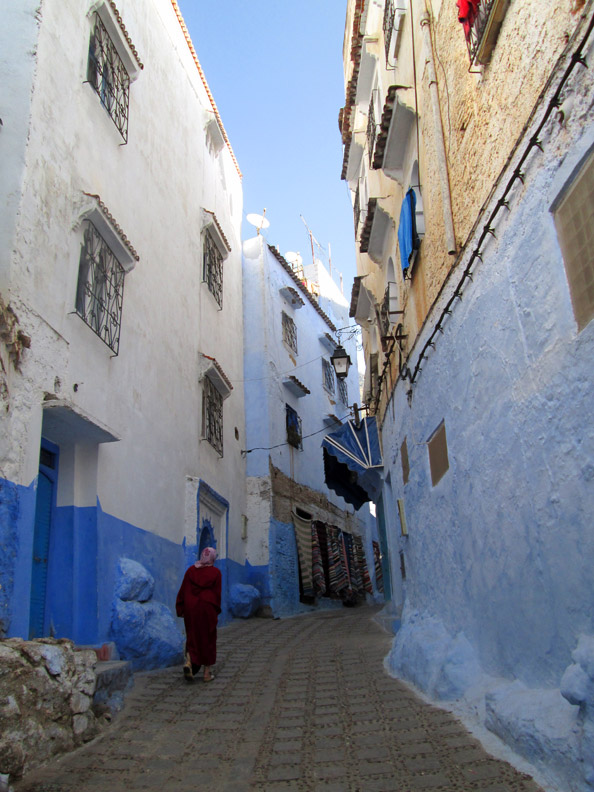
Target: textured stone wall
483	115
46	696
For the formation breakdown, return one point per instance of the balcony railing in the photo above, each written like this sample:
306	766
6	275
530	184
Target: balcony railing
481	28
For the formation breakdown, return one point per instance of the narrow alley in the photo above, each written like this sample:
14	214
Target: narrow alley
297	704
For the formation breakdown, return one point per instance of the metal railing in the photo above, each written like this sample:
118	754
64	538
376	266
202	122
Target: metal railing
212	406
482	29
357	209
108	76
388	26
371	131
213	268
100	289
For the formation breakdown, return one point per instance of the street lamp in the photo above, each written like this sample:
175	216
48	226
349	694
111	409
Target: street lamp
341	362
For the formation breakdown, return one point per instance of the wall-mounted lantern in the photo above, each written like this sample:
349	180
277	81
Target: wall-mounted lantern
341	362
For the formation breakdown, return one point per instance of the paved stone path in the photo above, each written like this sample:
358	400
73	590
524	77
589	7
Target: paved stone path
298	704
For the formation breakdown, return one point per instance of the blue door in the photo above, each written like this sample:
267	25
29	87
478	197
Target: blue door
43	518
41	541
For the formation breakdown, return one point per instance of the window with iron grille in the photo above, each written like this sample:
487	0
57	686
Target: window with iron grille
289	332
357	209
213	268
212	415
482	22
108	76
388	25
294	430
371	131
100	289
328	375
343	392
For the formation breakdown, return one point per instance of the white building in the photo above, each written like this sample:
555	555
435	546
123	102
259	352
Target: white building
292	320
122	422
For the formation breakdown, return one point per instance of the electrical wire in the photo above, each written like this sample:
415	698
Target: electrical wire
338	422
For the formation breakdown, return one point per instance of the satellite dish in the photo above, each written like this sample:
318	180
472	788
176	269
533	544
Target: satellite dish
294	259
258	221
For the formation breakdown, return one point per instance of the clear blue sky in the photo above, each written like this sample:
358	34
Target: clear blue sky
275	71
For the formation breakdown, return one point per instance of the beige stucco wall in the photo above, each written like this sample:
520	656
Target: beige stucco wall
483	112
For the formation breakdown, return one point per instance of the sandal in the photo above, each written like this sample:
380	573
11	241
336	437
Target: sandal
188	674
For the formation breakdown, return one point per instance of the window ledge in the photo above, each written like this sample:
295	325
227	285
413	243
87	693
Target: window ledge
112	19
296	387
211	368
210	223
98	213
292	296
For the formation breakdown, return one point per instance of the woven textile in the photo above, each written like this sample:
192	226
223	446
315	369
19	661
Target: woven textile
319	582
353	561
360	554
338	578
323	545
345	561
379	576
303	535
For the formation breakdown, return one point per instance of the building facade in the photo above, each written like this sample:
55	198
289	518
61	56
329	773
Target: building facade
293	318
122	423
467	133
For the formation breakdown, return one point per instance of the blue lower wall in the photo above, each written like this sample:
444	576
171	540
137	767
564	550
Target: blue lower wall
85	547
17	514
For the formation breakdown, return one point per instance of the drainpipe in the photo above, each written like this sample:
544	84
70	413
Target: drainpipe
442	163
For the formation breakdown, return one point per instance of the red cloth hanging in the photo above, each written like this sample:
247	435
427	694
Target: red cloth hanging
467	13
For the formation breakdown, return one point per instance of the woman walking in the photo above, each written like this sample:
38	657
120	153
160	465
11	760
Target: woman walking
199	602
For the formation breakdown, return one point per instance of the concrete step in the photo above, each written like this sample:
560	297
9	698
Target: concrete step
114	678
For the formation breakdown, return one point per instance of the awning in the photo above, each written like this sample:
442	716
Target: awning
353	462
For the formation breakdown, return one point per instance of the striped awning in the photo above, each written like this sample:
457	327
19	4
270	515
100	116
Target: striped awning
353	461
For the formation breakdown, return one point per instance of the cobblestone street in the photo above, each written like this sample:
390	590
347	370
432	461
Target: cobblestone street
297	704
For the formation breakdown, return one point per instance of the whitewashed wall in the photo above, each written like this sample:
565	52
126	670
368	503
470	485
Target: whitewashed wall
156	187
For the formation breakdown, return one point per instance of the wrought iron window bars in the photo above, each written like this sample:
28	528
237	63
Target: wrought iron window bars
329	376
100	289
108	76
213	268
294	428
289	332
343	392
388	25
212	415
481	30
371	131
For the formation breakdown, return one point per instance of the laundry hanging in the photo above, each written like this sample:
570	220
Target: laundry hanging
467	14
408	238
